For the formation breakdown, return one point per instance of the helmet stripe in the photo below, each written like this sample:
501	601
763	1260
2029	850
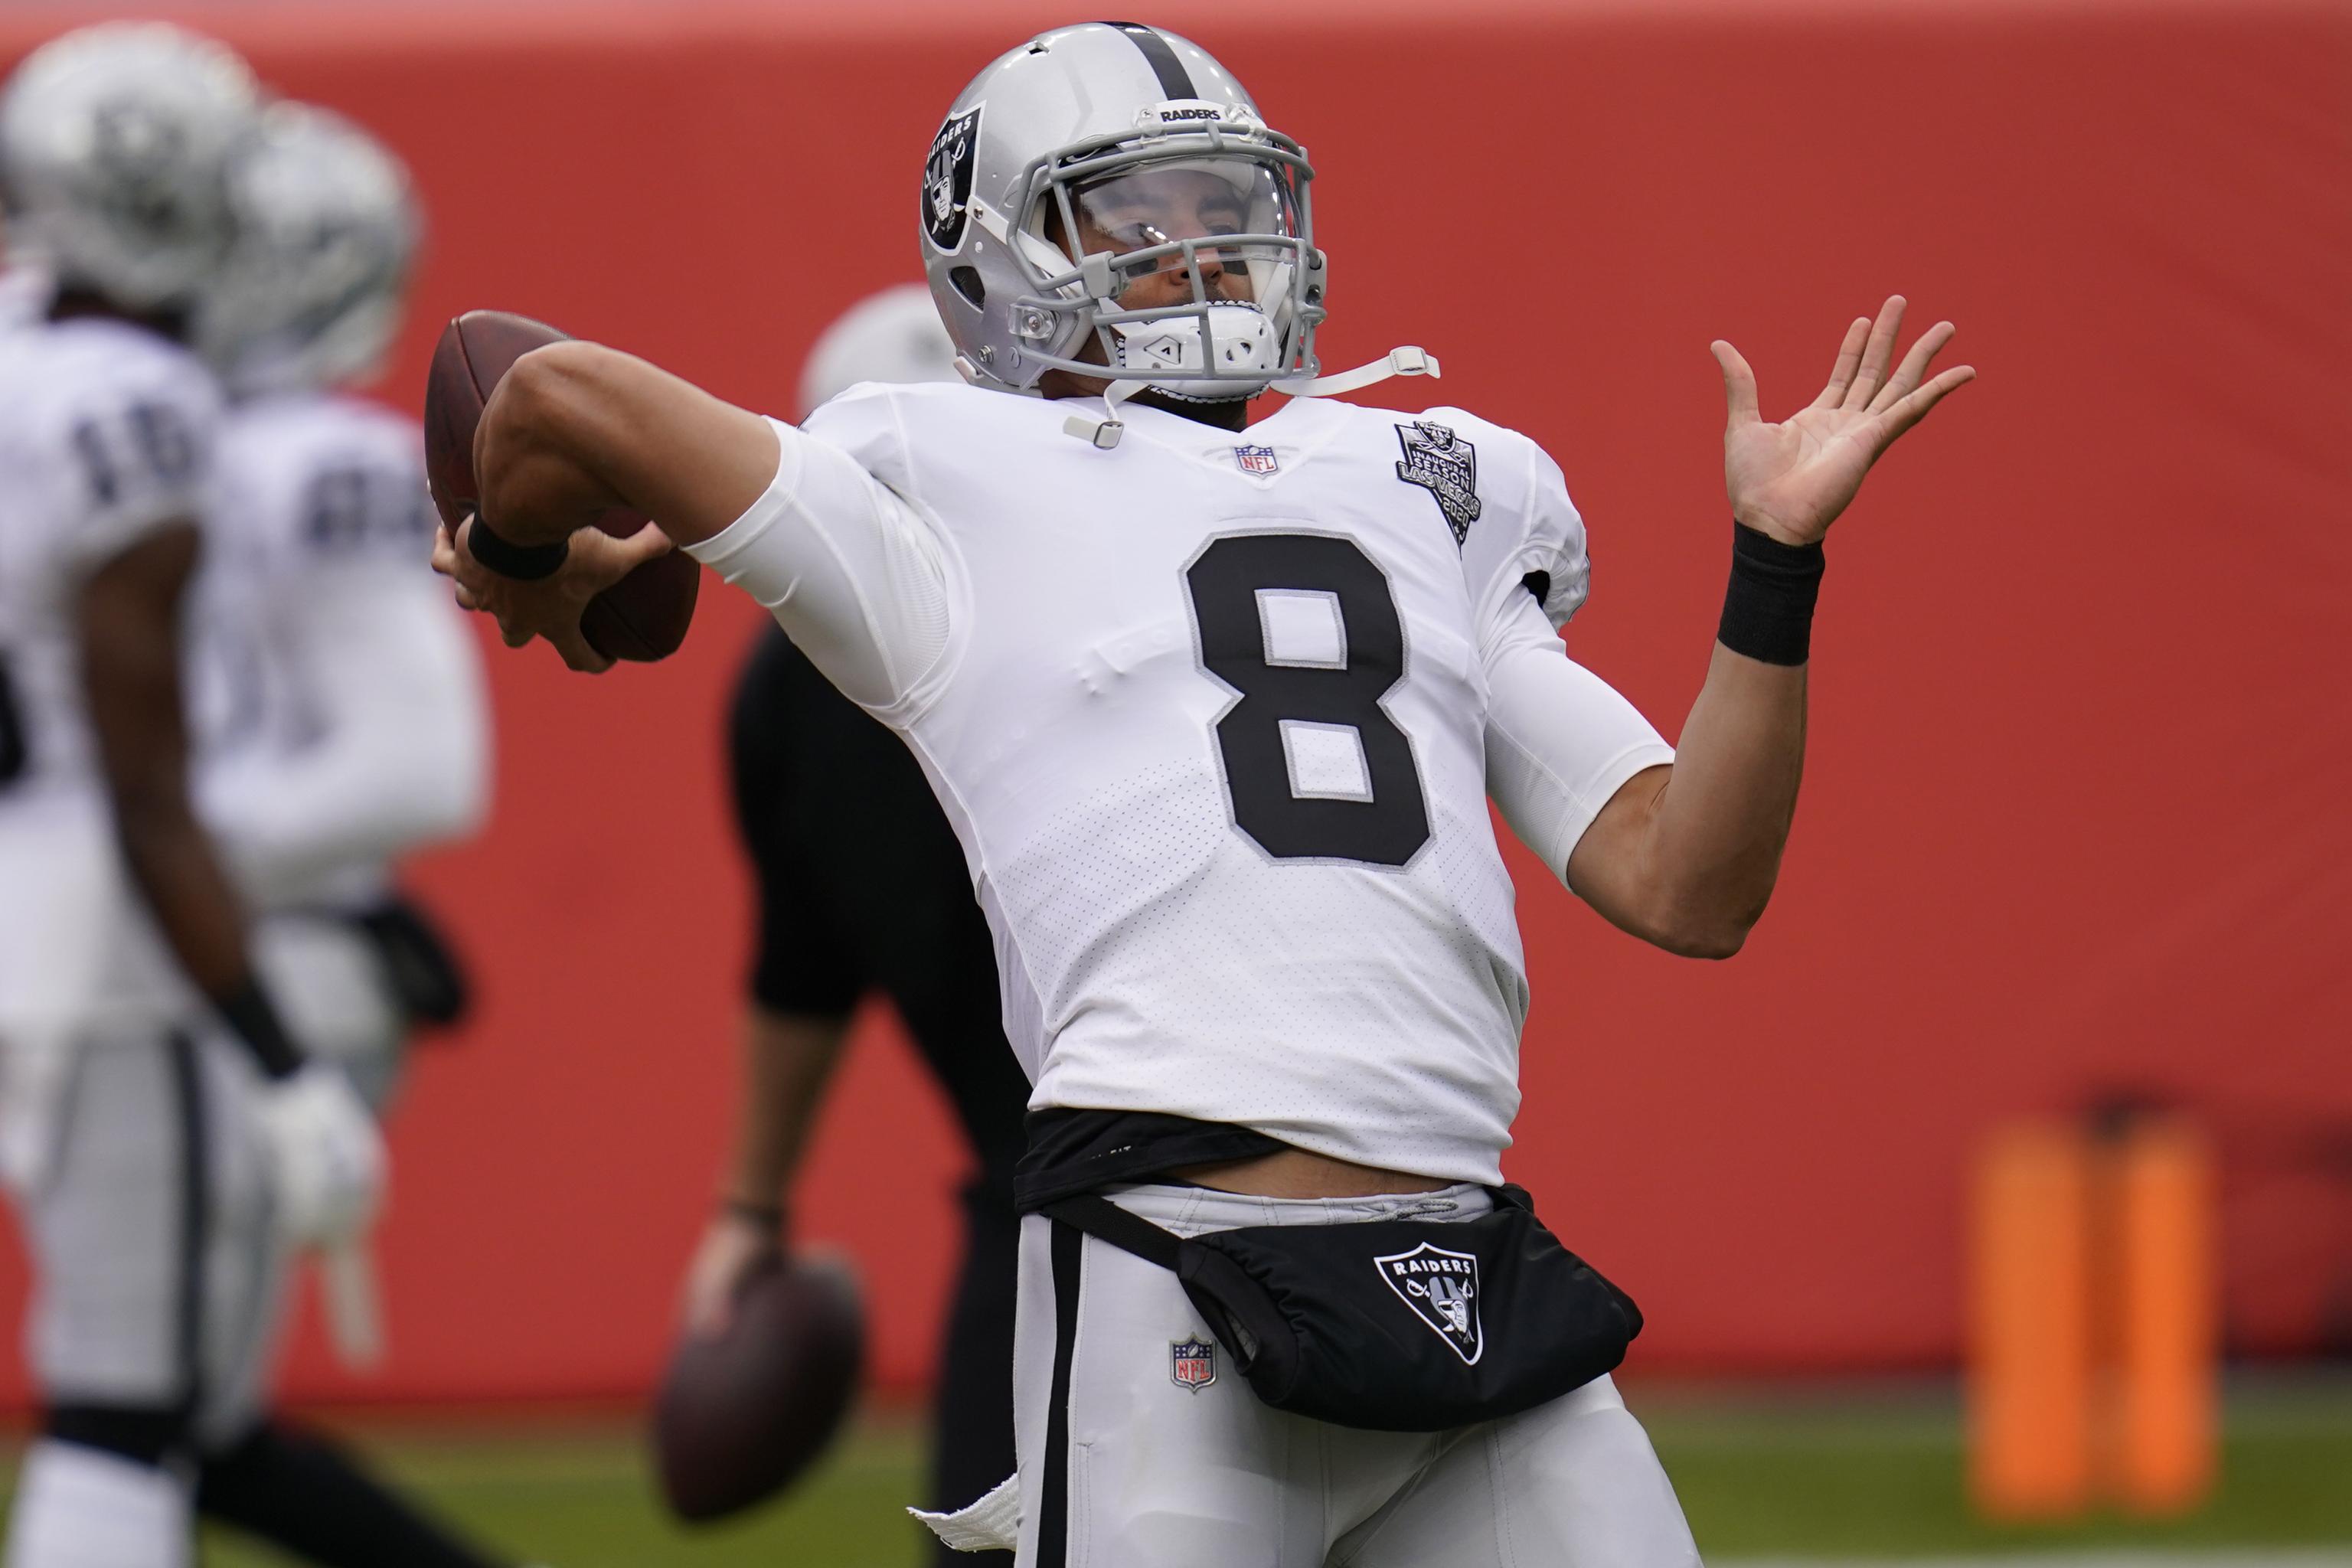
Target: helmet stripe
1174	80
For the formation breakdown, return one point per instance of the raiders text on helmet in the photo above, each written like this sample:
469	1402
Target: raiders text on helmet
113	139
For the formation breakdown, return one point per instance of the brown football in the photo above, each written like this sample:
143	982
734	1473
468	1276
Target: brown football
741	1415
644	616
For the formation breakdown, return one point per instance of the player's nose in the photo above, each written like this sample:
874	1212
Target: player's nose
1210	266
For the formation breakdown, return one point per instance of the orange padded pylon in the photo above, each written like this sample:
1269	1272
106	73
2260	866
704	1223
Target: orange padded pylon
2162	1456
2029	1342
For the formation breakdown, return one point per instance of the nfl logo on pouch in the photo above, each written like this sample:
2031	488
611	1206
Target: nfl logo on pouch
1192	1363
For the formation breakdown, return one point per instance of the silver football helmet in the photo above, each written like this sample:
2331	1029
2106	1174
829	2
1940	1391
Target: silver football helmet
1110	185
113	139
326	228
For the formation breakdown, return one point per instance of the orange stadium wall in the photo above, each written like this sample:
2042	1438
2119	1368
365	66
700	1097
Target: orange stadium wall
2075	814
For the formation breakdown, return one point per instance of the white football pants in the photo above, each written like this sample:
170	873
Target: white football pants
1125	1466
157	1276
78	1508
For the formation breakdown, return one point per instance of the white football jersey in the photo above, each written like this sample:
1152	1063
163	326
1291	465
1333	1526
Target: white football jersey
339	690
1210	714
106	431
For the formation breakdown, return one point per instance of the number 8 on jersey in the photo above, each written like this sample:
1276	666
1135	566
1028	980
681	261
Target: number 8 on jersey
1304	628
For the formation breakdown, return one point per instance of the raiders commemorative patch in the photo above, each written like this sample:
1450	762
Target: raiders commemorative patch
1442	1287
1445	465
947	179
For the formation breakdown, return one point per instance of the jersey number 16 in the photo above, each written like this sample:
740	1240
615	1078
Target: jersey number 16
1305	628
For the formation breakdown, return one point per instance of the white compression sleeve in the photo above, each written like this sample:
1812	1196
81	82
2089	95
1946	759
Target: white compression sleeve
401	756
1559	739
851	571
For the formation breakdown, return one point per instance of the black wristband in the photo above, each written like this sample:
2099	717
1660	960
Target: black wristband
250	1011
523	563
1767	610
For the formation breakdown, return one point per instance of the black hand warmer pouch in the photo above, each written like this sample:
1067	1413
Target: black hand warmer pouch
1396	1325
427	977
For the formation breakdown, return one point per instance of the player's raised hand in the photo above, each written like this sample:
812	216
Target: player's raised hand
1791	480
549	607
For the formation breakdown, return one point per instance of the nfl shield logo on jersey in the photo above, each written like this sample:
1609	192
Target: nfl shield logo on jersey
1255	459
1192	1363
1445	465
1442	1287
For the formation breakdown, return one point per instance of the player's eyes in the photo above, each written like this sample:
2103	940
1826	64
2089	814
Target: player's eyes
1133	235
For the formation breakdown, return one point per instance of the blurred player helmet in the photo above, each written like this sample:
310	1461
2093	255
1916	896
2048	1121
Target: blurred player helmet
326	227
113	142
894	335
1141	137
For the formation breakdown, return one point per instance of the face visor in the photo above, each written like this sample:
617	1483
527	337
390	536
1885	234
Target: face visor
1188	256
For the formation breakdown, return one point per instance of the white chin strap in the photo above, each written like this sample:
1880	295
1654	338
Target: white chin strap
1406	360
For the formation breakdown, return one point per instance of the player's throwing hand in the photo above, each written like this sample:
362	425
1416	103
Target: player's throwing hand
548	606
1791	480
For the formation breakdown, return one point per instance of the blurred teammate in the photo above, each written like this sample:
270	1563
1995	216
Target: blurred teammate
861	888
162	1125
1216	713
345	726
354	723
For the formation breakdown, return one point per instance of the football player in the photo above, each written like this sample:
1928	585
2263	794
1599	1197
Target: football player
354	720
345	725
861	888
161	1121
1216	714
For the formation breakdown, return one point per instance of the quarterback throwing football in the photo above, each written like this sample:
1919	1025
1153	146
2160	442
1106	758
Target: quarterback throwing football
1216	714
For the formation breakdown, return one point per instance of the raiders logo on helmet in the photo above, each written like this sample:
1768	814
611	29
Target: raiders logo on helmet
947	180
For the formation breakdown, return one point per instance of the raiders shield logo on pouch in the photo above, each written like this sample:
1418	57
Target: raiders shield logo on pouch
1445	465
1442	1287
947	180
1192	1363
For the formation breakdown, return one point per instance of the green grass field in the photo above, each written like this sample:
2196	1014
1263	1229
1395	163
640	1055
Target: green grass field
1842	1474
